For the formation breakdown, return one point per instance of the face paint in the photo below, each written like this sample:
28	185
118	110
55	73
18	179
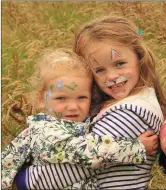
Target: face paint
114	54
58	115
61	58
72	86
48	95
120	79
50	111
59	85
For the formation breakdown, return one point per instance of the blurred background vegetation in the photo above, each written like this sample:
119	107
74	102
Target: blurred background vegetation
29	27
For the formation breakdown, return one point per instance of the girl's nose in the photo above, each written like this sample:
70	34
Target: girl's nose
72	106
112	75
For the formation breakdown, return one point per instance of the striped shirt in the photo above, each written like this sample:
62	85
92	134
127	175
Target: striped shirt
56	176
130	117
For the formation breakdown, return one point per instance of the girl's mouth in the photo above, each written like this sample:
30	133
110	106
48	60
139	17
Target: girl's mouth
71	116
117	85
120	81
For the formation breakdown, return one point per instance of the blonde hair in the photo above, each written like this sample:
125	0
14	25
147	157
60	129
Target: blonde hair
121	30
53	64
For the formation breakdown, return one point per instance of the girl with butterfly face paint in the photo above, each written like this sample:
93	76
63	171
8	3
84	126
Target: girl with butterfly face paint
60	134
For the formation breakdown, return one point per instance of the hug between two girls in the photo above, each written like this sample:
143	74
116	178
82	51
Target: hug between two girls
100	107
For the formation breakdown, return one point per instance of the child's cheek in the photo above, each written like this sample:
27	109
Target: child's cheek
163	137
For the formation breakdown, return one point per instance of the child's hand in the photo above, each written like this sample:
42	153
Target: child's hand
150	141
163	137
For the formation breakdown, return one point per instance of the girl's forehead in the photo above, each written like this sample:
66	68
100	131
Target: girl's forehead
104	52
113	51
68	79
102	47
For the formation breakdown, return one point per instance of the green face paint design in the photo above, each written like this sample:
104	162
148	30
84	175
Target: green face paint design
59	85
72	86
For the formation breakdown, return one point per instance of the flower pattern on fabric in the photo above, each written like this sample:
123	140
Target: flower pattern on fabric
50	140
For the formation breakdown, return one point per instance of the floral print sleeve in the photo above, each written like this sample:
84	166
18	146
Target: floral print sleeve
92	151
96	152
49	140
14	156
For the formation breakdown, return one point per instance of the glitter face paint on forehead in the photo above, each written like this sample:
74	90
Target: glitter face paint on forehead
61	58
120	79
59	84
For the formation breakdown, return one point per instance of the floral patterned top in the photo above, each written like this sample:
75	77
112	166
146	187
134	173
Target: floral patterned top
50	140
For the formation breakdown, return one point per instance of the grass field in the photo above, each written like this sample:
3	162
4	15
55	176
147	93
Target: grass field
29	27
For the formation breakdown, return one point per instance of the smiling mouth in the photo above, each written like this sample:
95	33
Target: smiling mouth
117	85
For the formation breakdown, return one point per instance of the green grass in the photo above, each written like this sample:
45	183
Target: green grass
29	27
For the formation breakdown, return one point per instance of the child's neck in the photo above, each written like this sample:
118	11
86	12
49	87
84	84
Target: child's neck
109	103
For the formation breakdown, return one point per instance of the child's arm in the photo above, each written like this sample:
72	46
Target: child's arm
94	151
72	172
14	156
52	176
163	137
150	141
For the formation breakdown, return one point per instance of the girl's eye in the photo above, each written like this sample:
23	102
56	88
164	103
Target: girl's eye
59	98
99	70
120	64
82	97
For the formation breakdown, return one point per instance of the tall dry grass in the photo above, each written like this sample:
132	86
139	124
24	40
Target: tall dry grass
29	27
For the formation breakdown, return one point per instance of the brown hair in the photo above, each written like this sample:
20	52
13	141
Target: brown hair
121	30
53	64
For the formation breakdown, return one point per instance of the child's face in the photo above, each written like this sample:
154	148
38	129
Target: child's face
68	98
116	68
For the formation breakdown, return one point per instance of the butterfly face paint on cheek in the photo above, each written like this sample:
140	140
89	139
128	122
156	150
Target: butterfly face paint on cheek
48	96
50	111
121	79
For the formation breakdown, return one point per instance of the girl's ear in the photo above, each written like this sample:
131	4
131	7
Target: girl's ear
40	96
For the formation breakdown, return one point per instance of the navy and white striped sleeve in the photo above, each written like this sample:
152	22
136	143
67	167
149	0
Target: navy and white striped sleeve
52	176
127	120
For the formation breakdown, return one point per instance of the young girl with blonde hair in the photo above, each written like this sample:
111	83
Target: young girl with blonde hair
62	85
132	101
